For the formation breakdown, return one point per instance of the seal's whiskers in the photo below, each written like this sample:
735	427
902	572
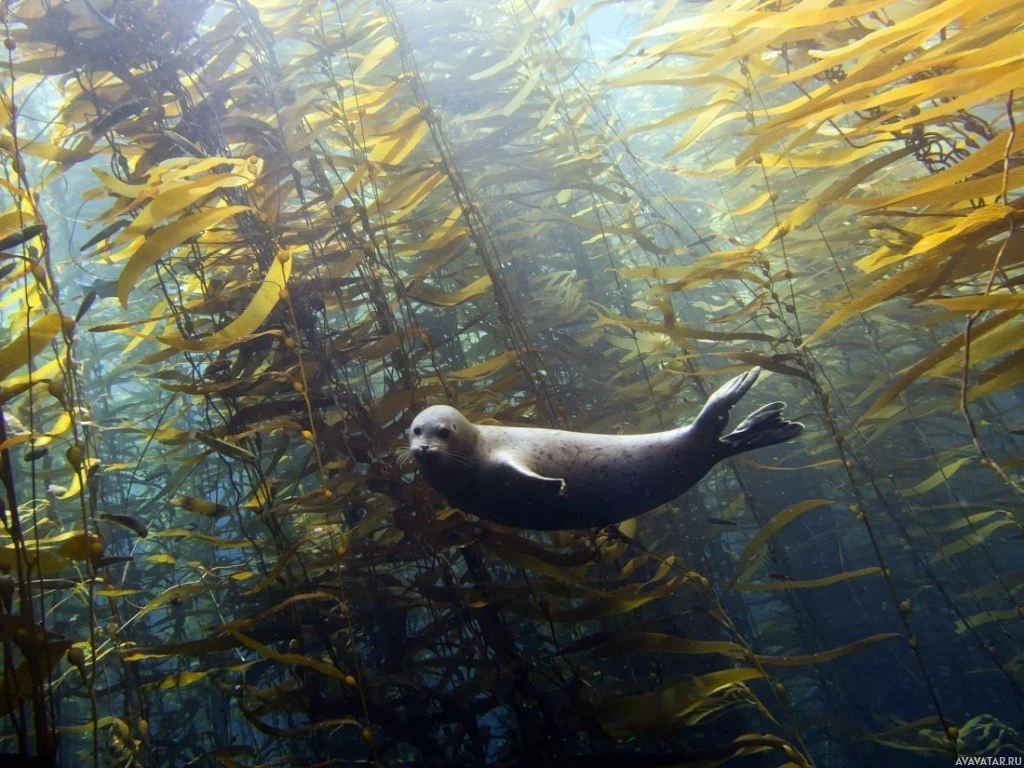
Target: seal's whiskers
404	456
455	458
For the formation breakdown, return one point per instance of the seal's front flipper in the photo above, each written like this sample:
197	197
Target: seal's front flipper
555	486
715	414
763	427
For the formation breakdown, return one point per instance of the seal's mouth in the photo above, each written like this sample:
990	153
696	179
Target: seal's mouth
424	453
433	456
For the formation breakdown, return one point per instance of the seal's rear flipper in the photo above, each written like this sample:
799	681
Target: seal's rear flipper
763	427
715	414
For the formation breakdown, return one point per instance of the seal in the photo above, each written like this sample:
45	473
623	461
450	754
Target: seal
551	479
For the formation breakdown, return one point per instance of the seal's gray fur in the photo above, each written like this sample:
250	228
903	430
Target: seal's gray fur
551	479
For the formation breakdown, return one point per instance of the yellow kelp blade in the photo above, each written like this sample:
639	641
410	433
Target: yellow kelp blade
981	303
174	593
178	197
824	581
649	710
42	561
179	680
940	355
157	244
54	553
30	343
1011	583
972	539
940	476
772	527
245	325
625	643
615	603
383	49
284	604
288	658
77	479
986	617
103	722
224	543
829	655
230	449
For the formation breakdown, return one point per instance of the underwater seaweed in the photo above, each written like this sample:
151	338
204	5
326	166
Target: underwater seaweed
244	243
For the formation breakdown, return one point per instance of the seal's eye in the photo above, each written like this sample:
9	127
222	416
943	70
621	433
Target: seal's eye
444	433
417	431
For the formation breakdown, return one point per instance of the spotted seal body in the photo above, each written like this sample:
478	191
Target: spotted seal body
551	479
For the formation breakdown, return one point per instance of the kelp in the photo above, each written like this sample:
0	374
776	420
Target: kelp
311	219
784	518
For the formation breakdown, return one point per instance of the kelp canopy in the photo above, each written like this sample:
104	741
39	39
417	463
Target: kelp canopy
244	242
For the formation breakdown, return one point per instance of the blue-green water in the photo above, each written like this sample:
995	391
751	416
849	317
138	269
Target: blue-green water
246	243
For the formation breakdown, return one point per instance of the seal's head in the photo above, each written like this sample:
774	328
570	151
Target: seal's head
441	434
